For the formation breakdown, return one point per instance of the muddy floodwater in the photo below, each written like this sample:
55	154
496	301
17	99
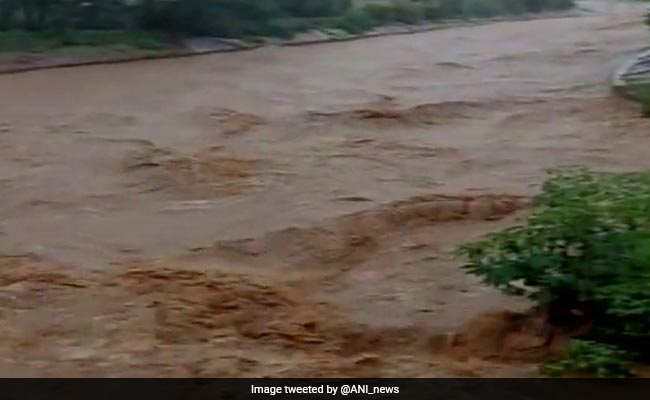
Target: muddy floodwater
291	211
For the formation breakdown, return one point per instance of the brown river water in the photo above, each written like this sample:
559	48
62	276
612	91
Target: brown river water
308	198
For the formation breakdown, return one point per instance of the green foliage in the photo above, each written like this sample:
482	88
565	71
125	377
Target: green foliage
39	41
590	358
481	9
314	8
413	11
355	21
644	97
406	11
245	18
20	40
139	39
151	24
382	13
516	7
586	246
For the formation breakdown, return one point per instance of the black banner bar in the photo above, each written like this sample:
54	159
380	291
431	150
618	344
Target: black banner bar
299	389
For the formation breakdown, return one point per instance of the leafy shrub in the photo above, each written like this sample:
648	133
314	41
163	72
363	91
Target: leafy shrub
177	17
534	5
644	97
585	247
450	9
514	7
381	13
280	28
314	8
559	4
21	40
113	37
407	12
432	11
590	358
481	8
355	21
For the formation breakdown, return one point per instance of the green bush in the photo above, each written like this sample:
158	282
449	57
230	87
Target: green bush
452	8
514	7
407	12
644	98
314	8
432	11
137	39
481	8
590	358
194	17
559	4
585	247
38	41
20	40
381	13
355	21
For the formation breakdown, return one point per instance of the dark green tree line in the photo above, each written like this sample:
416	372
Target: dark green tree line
246	17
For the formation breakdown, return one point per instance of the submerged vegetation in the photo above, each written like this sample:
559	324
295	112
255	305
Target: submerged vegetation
583	255
643	94
590	358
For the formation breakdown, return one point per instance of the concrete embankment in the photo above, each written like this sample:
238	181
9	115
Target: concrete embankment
632	73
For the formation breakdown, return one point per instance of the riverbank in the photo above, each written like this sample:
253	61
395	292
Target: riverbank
74	56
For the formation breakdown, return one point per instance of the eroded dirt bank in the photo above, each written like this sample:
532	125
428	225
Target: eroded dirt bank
315	195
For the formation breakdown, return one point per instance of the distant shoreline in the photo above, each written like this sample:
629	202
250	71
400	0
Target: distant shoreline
18	62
